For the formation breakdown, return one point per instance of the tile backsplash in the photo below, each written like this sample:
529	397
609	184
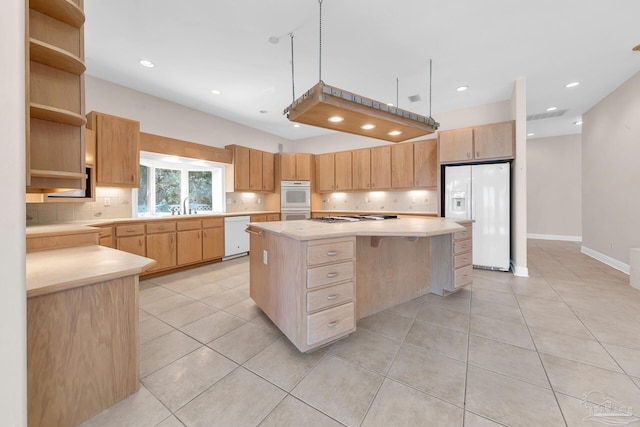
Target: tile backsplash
392	201
245	202
110	203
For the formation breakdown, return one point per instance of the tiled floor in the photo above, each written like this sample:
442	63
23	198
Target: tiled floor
510	351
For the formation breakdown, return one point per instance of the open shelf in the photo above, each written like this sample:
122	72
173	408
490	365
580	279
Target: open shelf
53	56
58	115
62	10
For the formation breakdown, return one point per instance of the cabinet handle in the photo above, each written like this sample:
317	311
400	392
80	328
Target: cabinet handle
332	253
130	230
333	324
139	242
198	234
477	154
332	275
332	297
204	233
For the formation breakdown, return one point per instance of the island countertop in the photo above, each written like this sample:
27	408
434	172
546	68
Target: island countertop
400	227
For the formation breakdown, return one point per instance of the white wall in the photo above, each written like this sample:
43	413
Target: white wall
611	175
554	187
13	358
519	181
161	117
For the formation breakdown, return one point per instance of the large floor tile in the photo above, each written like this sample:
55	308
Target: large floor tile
178	383
292	412
166	304
460	301
239	399
445	341
387	324
435	315
580	413
172	421
626	335
213	326
367	349
339	389
189	313
163	350
282	363
510	401
499	330
473	420
155	293
151	328
226	299
430	372
560	323
490	285
628	358
263	321
141	409
204	290
399	405
245	309
506	312
244	342
541	291
408	309
494	297
506	359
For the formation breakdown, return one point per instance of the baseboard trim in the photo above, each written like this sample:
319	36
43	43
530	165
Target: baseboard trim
605	259
554	237
519	271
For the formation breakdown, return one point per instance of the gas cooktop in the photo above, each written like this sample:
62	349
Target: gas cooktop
354	218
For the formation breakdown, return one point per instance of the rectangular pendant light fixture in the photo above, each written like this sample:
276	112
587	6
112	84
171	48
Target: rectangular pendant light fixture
332	108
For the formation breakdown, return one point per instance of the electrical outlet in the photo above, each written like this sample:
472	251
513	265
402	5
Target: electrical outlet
265	257
107	201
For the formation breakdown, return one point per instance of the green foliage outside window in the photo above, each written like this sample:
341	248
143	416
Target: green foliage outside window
200	190
143	203
167	189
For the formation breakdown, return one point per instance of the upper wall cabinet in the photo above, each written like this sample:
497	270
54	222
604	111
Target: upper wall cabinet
381	167
325	172
488	142
361	168
55	154
425	163
253	170
295	166
402	166
117	150
343	171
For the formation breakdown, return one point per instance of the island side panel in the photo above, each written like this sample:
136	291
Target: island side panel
82	348
395	271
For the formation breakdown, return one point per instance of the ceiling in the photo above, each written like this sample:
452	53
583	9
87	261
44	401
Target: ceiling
200	45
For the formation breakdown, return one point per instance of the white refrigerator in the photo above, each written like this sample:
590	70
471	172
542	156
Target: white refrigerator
482	193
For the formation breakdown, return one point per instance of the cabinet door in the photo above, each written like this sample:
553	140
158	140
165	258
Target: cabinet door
132	244
381	167
343	170
117	152
456	145
189	246
255	170
212	243
361	162
241	169
162	248
494	141
325	172
303	167
268	175
402	166
287	167
425	163
258	218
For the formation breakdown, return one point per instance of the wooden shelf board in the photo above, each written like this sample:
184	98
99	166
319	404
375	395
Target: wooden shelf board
62	10
57	174
53	56
53	114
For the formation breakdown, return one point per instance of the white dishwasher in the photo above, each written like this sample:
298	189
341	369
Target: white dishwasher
236	240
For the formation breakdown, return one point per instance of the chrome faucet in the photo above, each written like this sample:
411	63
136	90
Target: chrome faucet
184	206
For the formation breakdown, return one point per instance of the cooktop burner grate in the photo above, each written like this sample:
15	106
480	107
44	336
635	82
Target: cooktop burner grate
354	218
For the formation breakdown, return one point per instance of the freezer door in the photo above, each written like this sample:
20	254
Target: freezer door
491	212
457	192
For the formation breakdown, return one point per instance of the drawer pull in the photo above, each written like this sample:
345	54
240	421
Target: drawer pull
332	253
333	324
332	297
332	275
130	230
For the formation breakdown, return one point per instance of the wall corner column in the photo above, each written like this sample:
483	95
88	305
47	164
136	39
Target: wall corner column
519	181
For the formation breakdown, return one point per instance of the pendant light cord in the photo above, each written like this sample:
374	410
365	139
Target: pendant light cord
293	83
320	50
430	77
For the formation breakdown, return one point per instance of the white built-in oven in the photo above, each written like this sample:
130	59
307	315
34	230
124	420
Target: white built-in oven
295	195
293	214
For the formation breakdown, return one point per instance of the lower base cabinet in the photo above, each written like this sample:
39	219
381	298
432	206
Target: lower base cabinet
162	248
133	244
212	243
453	252
189	247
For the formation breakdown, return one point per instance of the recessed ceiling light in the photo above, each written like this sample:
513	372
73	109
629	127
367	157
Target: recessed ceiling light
146	63
394	133
336	119
216	92
531	134
390	104
572	84
296	125
579	122
552	108
367	126
462	88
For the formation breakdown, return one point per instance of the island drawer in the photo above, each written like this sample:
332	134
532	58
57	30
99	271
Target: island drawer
462	260
330	323
461	246
327	297
328	274
461	235
161	227
329	252
464	276
129	230
189	225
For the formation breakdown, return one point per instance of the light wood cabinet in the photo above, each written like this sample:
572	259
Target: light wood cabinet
212	239
325	172
295	166
54	70
117	150
189	241
425	163
343	171
487	142
241	168
258	218
162	248
106	236
381	167
268	172
132	244
453	253
456	145
273	217
402	166
253	170
361	168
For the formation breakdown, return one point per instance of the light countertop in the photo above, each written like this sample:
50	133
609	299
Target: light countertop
400	227
62	269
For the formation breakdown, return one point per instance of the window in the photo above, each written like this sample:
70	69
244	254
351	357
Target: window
168	182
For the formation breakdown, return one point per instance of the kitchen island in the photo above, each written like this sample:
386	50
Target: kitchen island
314	280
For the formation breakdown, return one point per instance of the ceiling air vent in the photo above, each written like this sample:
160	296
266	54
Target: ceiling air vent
415	98
546	115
